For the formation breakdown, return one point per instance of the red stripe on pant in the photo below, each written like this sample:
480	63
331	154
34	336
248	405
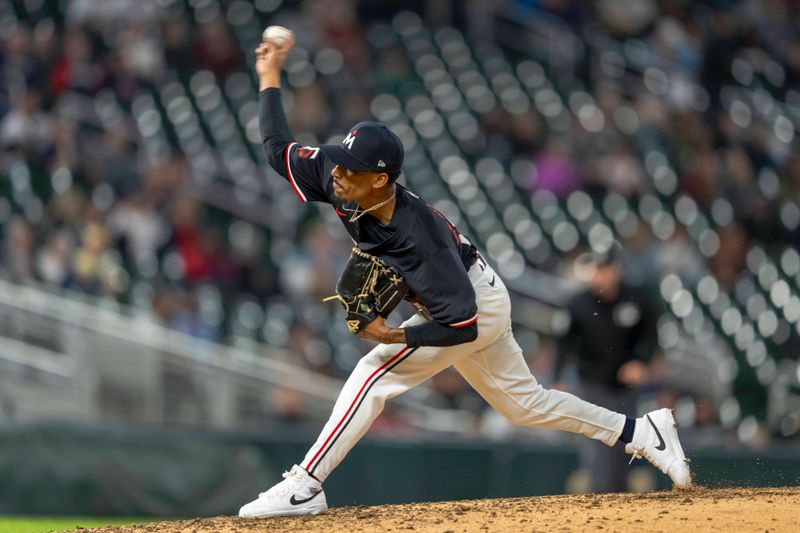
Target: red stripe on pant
310	464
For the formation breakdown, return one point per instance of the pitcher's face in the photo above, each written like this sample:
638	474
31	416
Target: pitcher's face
352	186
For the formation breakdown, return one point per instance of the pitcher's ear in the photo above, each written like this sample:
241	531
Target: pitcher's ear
381	180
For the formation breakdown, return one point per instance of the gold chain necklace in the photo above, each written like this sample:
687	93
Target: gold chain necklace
358	212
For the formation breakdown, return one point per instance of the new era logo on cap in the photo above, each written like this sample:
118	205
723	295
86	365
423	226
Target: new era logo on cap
377	149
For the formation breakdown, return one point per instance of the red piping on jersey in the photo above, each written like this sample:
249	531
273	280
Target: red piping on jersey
310	464
465	323
449	225
291	176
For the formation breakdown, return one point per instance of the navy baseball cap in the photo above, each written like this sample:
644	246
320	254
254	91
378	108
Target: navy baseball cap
367	146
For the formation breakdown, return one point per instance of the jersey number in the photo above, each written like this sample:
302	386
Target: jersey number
308	152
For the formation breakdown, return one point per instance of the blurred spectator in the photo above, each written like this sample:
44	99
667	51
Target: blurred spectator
310	111
75	70
729	260
627	17
87	273
450	391
555	171
18	250
222	268
187	216
176	43
115	162
66	157
138	226
621	172
52	261
612	336
215	49
677	255
186	317
141	53
27	127
392	423
288	406
103	15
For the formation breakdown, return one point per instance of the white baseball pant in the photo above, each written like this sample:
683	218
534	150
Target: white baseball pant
493	364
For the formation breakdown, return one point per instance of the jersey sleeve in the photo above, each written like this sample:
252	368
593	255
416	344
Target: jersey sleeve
304	167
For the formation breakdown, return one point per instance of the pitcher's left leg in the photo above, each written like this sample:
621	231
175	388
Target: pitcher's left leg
500	374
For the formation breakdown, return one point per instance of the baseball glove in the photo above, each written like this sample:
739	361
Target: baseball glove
368	287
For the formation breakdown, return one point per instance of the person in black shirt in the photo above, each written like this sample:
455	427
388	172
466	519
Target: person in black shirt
464	317
612	336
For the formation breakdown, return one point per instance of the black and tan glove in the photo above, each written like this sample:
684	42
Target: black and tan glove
368	287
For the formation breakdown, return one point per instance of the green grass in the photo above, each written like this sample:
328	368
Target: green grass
29	524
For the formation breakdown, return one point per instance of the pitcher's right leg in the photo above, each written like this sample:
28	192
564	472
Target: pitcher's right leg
385	372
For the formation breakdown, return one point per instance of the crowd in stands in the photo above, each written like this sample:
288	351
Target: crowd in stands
83	209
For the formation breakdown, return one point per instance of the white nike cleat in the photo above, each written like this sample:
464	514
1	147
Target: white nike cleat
656	439
297	494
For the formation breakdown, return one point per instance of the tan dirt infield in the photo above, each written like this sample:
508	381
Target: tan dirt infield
698	510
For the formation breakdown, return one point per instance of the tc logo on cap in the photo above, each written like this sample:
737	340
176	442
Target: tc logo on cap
348	141
378	149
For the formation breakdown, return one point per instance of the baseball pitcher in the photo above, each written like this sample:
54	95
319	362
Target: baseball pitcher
406	249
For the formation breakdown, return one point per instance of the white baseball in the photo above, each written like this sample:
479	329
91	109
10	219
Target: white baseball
277	35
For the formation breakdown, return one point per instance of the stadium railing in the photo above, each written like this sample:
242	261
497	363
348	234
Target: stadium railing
114	364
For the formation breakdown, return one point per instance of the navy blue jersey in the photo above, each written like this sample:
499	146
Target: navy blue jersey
419	242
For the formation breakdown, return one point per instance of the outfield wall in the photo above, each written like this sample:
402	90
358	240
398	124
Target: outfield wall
86	470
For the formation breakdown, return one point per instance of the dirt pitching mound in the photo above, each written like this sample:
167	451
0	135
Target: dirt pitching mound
698	510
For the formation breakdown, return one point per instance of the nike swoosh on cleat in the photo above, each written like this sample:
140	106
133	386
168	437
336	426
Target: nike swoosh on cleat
340	213
492	282
661	444
294	501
